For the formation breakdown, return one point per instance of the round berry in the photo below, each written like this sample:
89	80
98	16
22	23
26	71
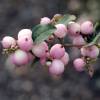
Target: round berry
57	51
56	67
87	27
65	58
40	50
73	28
78	40
20	57
91	51
25	32
79	64
61	31
25	43
84	51
45	20
8	42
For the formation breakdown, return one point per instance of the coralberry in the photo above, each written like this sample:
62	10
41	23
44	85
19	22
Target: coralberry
87	27
8	42
79	64
56	67
61	31
57	51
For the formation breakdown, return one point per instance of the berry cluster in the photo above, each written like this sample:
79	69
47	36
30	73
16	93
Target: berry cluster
24	50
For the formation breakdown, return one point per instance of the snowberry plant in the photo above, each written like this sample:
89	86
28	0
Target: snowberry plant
47	44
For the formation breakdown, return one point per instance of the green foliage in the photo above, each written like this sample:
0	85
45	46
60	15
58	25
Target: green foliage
42	32
66	19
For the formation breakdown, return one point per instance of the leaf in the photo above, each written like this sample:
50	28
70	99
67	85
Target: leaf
42	32
66	19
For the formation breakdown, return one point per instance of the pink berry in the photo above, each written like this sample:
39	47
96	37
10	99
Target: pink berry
91	51
61	31
40	50
8	42
79	64
73	28
87	27
30	57
65	58
25	32
84	51
25	43
45	20
20	57
57	67
43	60
78	40
57	51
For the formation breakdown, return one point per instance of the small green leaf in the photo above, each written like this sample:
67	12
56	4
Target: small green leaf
66	18
42	32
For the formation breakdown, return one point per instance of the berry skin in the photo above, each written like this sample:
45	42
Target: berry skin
20	57
57	51
25	32
91	52
78	40
79	64
84	51
8	42
61	31
43	60
25	43
94	52
45	21
56	67
73	28
40	50
30	57
65	58
87	27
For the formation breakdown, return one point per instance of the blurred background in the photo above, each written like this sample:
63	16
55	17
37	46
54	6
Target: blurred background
27	83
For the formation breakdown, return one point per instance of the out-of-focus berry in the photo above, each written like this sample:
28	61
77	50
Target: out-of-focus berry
8	42
43	60
87	27
79	64
45	20
65	58
91	51
78	40
30	57
20	57
56	67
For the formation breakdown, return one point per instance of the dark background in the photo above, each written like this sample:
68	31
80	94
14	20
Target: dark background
35	83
